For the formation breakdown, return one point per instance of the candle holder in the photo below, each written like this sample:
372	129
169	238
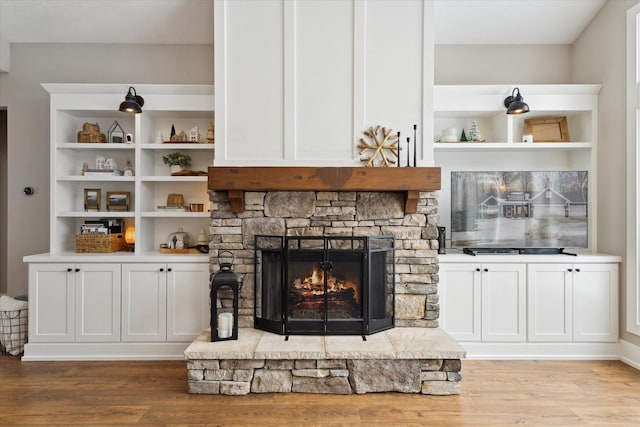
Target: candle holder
224	325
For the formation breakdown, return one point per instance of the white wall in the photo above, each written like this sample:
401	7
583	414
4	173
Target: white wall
28	120
500	64
599	55
311	76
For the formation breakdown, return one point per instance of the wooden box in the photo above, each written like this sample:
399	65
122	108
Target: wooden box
99	243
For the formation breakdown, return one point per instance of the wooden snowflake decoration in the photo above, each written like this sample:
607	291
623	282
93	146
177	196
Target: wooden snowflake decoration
381	144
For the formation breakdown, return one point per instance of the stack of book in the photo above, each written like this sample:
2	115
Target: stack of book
102	226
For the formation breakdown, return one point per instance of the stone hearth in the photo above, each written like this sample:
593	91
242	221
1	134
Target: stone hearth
406	360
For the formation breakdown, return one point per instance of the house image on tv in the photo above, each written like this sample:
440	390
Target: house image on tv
547	203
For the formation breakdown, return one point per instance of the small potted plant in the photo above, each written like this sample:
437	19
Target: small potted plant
177	161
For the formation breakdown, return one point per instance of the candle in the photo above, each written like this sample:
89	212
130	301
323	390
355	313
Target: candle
225	325
398	156
414	145
408	145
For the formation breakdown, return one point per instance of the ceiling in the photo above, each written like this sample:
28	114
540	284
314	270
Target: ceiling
191	21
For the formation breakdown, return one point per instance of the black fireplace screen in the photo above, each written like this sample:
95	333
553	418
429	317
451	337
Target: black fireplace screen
324	285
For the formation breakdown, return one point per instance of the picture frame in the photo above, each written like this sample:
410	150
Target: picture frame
548	129
116	133
118	200
92	197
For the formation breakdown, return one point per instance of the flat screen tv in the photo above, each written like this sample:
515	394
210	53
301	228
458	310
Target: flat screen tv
541	209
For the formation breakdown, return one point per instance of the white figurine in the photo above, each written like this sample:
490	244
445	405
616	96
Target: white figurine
159	138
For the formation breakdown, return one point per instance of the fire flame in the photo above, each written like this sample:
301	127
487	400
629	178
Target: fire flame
313	284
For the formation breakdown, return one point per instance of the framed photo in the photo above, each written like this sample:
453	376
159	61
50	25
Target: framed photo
92	198
118	200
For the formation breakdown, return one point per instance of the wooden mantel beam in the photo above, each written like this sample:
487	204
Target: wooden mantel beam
237	180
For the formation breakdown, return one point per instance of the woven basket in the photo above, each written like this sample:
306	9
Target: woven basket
91	133
99	243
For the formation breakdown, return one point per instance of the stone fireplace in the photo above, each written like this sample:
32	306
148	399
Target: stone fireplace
336	214
252	207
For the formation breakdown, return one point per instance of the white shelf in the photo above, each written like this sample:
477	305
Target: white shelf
96	178
97	146
158	214
178	146
169	178
515	146
96	214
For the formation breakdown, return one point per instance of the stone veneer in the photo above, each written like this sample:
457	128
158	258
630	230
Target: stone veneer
405	360
325	213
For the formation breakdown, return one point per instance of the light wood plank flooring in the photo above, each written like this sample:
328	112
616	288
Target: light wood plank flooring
494	393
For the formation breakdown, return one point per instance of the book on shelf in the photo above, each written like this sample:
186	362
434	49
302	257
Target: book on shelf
173	208
103	172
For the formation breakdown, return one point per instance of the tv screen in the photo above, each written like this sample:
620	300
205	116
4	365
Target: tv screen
541	209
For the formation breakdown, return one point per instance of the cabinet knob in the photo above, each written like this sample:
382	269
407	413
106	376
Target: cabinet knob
578	270
169	269
570	269
486	269
162	269
77	269
69	270
478	269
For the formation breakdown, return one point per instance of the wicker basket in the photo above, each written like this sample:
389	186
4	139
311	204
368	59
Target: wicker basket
91	133
99	243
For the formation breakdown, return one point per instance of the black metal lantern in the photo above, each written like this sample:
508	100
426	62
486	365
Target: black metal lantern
224	326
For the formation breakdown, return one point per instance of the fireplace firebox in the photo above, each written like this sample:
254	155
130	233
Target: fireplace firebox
324	285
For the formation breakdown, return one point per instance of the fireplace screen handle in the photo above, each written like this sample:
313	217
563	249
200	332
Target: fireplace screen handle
326	266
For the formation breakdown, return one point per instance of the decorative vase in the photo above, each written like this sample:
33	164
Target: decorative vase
175	168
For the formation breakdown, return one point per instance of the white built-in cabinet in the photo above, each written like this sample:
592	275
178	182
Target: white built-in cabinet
122	305
74	302
529	300
573	302
82	310
483	302
164	301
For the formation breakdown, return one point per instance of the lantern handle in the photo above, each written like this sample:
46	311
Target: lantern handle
225	265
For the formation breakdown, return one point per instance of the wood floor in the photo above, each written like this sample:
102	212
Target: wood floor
494	393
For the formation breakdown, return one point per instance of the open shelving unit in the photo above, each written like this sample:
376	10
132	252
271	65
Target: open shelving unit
457	106
183	106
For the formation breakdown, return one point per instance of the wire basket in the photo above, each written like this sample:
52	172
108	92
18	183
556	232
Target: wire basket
13	331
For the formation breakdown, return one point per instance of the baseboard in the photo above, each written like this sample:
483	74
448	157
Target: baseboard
104	351
541	351
630	353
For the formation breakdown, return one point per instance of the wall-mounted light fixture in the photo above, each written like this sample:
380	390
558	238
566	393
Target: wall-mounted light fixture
132	102
515	103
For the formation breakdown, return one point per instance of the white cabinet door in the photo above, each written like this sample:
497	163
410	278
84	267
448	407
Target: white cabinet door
595	302
504	302
144	302
549	302
51	302
97	302
187	301
460	300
